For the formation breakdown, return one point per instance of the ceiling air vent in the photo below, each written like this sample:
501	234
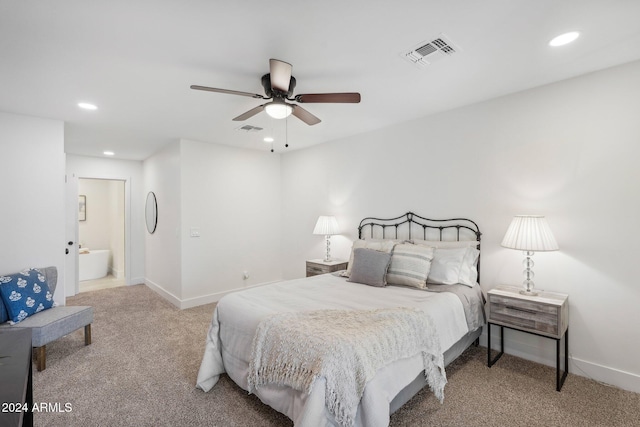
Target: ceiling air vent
428	52
249	128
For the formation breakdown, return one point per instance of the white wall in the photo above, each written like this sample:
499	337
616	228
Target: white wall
233	197
568	151
129	171
163	248
32	227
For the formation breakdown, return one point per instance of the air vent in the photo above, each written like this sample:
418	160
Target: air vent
428	52
249	128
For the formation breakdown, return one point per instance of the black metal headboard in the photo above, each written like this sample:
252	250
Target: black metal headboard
411	226
405	226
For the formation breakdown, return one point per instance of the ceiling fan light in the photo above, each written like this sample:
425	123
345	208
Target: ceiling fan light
278	110
563	39
87	106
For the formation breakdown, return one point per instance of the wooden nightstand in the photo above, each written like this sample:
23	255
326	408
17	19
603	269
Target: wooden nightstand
320	266
546	315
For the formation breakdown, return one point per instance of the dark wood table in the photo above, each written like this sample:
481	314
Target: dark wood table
16	392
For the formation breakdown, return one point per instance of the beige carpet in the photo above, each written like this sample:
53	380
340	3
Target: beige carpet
141	371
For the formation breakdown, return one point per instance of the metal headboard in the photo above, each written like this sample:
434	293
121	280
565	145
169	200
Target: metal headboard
411	226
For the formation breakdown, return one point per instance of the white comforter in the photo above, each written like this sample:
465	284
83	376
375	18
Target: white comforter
236	318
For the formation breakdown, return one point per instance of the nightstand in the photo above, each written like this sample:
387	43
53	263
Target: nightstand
320	266
546	315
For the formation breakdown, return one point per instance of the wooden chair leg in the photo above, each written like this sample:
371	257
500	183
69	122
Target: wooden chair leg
40	354
87	334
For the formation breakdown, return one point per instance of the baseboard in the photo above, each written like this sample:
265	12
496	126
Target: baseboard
543	350
196	301
137	281
604	374
215	297
118	274
164	294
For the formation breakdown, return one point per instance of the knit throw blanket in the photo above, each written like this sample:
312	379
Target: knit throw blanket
347	348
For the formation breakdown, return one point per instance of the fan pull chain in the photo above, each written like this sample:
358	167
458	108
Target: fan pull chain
286	132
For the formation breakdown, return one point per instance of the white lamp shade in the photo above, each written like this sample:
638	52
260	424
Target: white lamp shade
529	233
326	225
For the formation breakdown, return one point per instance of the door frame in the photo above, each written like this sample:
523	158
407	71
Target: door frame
71	235
127	225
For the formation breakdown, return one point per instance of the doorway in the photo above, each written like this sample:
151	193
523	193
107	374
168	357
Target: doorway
101	234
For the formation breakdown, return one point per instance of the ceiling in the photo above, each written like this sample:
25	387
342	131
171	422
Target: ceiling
135	60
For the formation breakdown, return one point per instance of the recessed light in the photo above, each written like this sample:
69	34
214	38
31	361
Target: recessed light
108	153
87	106
563	39
268	139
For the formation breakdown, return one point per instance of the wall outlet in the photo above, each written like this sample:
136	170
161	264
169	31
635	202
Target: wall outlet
194	232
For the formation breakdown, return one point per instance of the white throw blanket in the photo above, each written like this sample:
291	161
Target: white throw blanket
347	348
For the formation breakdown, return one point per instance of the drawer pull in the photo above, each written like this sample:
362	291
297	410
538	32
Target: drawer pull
511	307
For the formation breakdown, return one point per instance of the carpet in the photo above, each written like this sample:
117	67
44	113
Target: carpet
141	370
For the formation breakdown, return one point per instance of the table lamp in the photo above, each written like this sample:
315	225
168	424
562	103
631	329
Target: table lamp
327	226
529	233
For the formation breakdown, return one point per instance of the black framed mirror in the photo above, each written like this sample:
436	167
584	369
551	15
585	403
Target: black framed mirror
151	212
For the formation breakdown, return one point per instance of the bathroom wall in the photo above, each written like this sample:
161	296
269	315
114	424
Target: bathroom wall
104	224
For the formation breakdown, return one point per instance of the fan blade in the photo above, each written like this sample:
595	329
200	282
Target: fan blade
304	115
280	75
343	98
230	92
249	113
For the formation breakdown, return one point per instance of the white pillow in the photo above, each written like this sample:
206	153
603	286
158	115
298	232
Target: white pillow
378	245
369	239
454	265
447	244
446	266
469	269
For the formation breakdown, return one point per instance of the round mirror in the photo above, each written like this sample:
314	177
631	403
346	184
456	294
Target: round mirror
151	212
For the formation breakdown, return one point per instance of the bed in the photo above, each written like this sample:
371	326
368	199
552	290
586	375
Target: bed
447	300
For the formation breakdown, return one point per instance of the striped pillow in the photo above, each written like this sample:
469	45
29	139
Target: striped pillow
410	265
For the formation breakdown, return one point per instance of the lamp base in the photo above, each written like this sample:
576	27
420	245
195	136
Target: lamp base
528	276
328	257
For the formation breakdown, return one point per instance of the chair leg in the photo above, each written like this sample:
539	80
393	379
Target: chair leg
40	354
87	334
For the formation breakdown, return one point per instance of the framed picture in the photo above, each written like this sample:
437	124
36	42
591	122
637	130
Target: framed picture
82	208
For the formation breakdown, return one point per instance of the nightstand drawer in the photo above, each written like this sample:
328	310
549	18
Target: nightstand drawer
532	316
314	269
546	314
318	266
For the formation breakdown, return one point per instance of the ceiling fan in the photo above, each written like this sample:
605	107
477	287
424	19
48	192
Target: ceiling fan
278	86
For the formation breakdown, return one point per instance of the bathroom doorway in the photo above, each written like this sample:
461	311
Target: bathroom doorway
101	234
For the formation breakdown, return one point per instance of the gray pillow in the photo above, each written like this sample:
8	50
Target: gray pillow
370	267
